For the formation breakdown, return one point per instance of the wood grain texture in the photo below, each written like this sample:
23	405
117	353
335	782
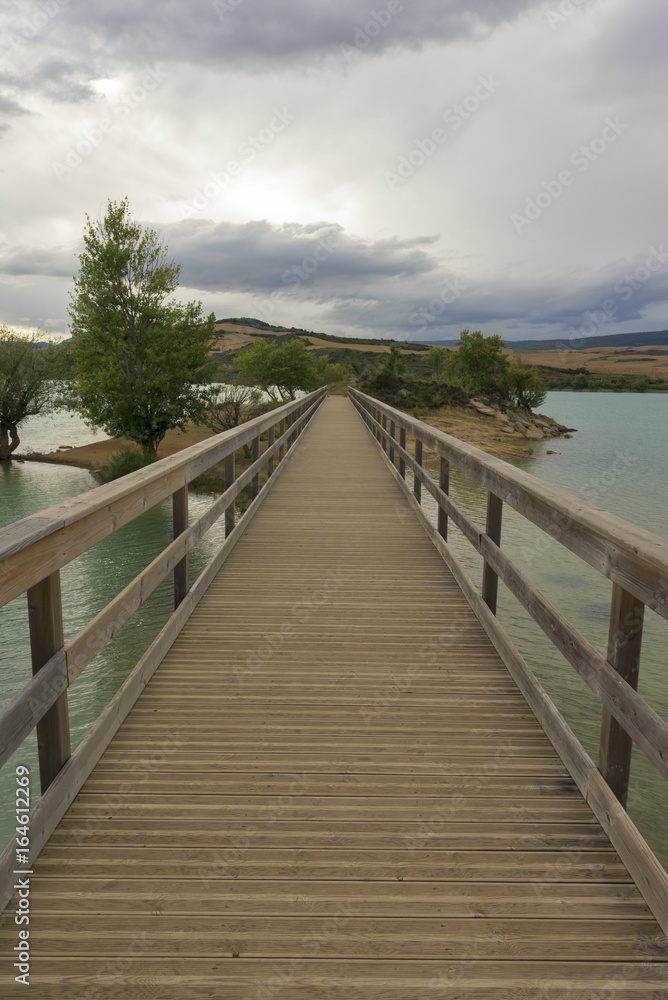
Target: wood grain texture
636	853
331	787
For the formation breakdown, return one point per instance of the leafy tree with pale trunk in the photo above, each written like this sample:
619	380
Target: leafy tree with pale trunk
141	362
27	384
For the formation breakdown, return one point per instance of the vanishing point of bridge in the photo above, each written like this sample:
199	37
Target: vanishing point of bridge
332	775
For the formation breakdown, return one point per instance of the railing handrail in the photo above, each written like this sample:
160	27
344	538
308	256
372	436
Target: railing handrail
615	547
147	487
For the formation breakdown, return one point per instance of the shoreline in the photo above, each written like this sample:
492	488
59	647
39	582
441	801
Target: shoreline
464	423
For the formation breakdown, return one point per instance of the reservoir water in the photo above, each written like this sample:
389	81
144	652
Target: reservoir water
617	460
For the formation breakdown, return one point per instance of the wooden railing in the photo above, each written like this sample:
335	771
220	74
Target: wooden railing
636	562
32	552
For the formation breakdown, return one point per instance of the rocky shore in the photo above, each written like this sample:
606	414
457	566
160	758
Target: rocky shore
520	422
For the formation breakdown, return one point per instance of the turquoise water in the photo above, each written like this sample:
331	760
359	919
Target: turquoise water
618	460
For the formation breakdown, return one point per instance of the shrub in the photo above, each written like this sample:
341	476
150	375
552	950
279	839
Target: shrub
122	463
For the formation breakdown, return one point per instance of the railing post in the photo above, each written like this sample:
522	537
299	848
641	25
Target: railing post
384	440
281	432
46	638
490	581
290	421
230	476
180	523
402	444
255	454
393	431
271	436
444	483
624	641
417	482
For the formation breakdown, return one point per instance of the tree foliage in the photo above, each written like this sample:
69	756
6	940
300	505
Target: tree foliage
27	386
282	371
442	362
524	386
481	365
141	361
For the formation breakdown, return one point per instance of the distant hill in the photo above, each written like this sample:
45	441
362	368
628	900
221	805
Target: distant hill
267	330
585	344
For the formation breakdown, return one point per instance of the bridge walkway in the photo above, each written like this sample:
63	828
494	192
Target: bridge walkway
332	787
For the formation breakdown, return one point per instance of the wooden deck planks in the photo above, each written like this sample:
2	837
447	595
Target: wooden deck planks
332	788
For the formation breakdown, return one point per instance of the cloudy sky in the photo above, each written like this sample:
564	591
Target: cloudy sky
405	169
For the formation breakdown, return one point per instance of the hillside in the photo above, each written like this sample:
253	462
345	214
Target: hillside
558	367
580	344
238	332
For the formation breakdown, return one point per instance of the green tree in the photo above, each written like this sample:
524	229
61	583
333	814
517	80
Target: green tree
282	371
525	387
481	365
436	359
442	362
326	372
141	361
278	371
581	381
641	384
27	383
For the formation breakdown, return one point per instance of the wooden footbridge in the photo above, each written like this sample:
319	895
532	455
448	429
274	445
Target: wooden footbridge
332	775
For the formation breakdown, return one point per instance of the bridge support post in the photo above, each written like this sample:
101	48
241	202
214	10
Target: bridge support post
490	581
255	454
417	482
46	638
393	432
281	432
230	476
180	523
624	641
402	444
384	440
271	436
444	483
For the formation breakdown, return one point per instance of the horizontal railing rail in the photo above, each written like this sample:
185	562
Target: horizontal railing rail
33	551
636	561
